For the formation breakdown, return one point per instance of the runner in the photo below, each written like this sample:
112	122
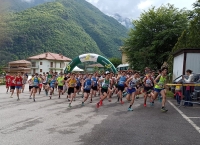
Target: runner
30	82
160	88
87	87
36	81
132	83
7	77
12	84
94	86
78	86
104	88
121	85
52	85
72	83
41	82
148	87
18	84
24	81
60	82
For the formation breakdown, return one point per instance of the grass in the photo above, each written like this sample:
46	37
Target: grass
2	82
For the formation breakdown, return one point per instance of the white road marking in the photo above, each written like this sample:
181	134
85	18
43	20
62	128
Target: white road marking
185	117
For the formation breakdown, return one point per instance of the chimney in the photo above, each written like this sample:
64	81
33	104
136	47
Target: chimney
46	54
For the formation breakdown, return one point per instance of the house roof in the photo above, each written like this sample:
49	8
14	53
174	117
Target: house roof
20	61
192	50
95	65
50	56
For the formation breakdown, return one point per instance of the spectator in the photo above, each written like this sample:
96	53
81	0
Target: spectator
188	88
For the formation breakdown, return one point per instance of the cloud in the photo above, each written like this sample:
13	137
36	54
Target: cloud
133	8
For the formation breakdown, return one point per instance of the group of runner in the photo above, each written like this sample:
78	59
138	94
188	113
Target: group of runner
127	84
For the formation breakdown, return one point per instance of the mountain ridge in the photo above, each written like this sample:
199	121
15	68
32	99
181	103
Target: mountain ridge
70	27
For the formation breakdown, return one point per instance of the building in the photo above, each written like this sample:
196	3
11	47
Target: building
186	59
91	68
124	56
48	62
18	66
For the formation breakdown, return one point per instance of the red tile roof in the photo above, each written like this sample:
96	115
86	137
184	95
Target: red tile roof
20	61
50	56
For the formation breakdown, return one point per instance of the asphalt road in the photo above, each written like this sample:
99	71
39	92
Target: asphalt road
51	122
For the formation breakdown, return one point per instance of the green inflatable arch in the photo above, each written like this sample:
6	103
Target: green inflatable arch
90	57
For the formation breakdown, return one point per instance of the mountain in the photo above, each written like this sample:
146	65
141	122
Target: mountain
124	21
20	5
70	27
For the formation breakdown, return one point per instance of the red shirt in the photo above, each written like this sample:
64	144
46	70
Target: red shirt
7	79
18	81
12	81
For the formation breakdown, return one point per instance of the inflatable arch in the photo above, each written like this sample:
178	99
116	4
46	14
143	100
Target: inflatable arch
90	57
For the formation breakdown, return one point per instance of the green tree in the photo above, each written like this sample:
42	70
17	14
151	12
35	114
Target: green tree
154	35
115	61
190	36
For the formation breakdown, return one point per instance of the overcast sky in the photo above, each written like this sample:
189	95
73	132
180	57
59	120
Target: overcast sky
132	8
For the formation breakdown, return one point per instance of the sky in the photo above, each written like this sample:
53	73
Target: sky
133	8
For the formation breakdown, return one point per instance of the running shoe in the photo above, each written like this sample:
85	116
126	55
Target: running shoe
30	97
83	104
163	109
152	103
130	109
97	105
18	99
145	105
122	102
34	100
69	105
101	103
10	96
137	97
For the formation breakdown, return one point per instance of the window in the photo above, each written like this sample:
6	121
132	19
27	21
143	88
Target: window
40	63
33	71
33	64
40	70
60	65
51	65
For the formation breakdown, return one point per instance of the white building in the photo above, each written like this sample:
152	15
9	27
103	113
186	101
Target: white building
46	62
186	59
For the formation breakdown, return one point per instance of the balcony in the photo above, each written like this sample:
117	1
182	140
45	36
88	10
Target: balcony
35	66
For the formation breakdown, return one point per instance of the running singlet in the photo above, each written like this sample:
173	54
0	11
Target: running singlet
122	81
36	81
78	83
60	81
87	85
132	83
49	78
18	81
94	79
105	84
12	81
72	83
7	79
148	82
52	83
161	83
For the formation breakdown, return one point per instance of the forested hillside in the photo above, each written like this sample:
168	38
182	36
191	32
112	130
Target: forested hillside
70	27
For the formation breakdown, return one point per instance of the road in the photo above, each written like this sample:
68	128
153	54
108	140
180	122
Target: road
51	122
